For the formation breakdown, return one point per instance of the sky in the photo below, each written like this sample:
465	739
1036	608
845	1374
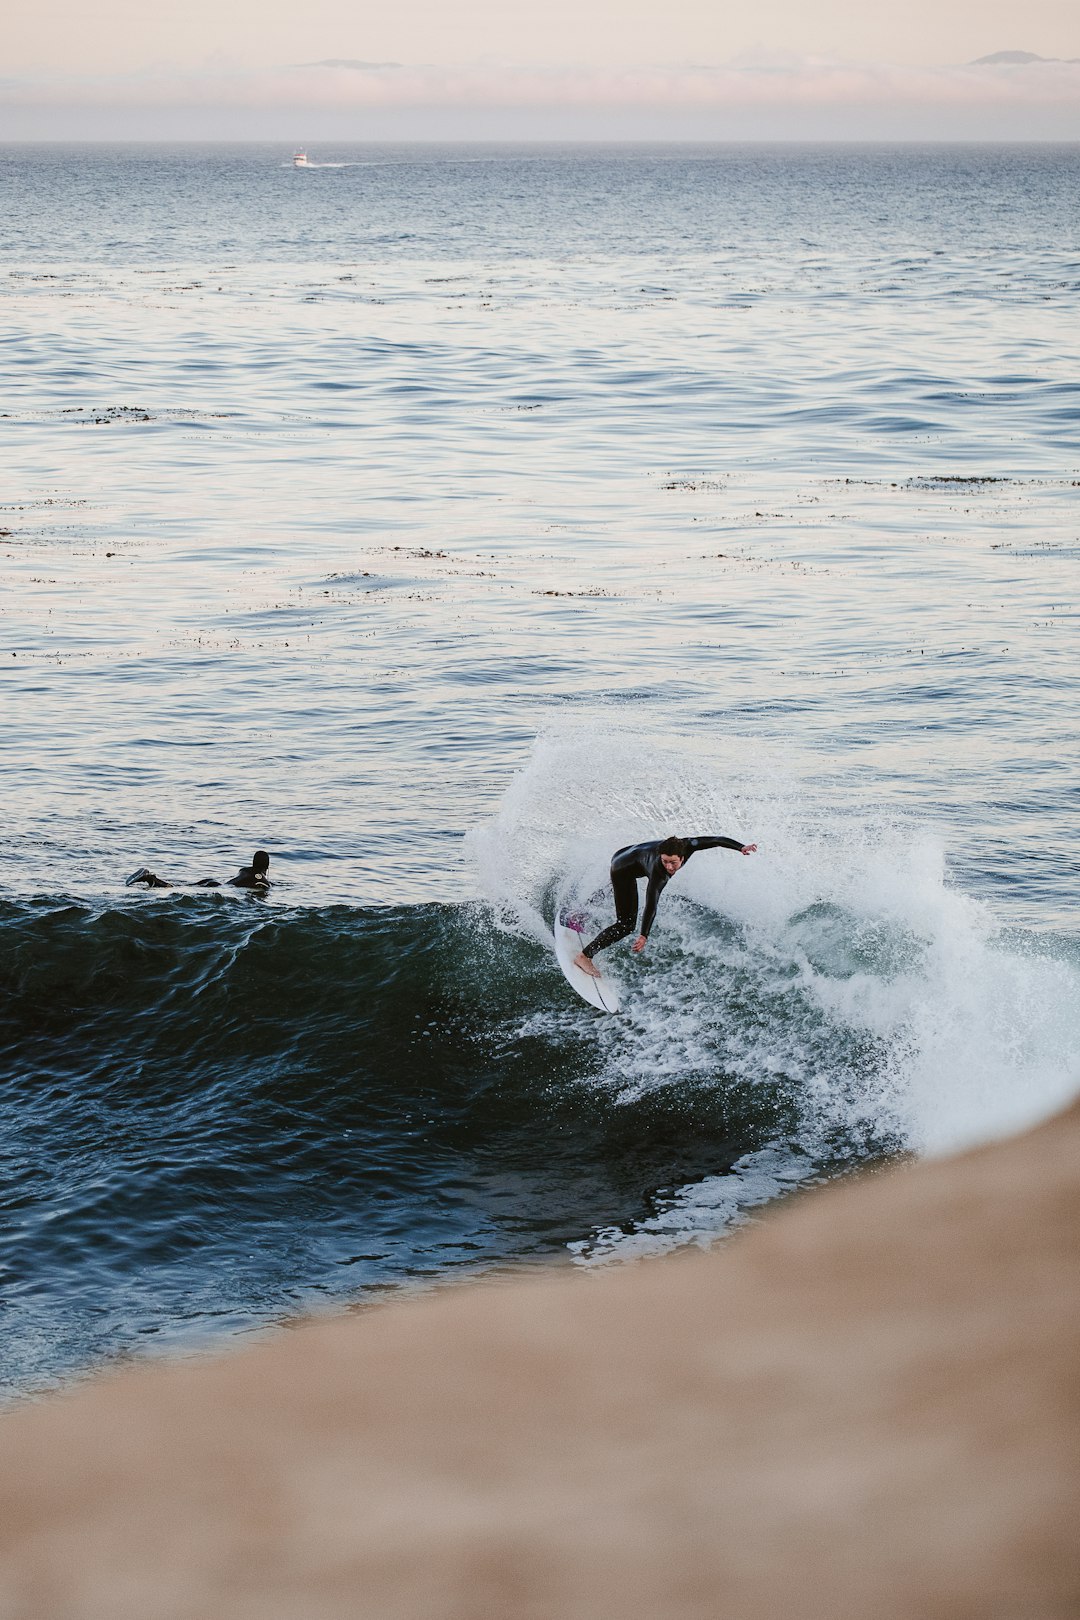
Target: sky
694	69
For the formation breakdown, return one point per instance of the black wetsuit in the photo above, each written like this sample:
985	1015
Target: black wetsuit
643	861
248	878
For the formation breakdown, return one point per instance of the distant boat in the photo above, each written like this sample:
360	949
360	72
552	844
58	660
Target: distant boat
300	160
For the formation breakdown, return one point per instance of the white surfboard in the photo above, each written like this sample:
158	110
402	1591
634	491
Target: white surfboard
600	993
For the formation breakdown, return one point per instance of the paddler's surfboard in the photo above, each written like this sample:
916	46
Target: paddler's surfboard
599	993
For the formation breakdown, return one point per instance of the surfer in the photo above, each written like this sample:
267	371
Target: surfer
253	876
248	877
658	861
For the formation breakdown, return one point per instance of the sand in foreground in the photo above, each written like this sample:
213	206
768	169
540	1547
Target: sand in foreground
867	1406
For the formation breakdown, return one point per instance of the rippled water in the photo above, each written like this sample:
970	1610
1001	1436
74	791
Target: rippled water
441	520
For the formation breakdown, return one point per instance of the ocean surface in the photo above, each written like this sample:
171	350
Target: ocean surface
439	520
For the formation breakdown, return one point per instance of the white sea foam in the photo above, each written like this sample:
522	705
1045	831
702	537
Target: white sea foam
696	1213
839	972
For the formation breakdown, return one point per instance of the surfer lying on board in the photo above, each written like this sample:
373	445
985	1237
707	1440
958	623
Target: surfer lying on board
248	877
659	862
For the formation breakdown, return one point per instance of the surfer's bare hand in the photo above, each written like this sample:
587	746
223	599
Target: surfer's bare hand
748	849
639	943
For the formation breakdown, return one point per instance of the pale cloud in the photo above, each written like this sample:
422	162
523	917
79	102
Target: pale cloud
1044	93
121	36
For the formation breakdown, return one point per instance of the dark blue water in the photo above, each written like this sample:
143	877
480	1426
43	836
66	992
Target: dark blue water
439	520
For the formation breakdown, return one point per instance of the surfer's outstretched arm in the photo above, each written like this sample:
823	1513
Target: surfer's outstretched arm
721	843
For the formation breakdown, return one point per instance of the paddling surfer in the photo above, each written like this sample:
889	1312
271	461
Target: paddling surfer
253	876
248	877
658	861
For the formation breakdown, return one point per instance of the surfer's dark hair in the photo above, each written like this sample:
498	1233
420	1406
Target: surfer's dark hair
260	861
675	846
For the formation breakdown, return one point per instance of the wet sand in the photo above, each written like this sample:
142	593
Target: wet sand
865	1406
